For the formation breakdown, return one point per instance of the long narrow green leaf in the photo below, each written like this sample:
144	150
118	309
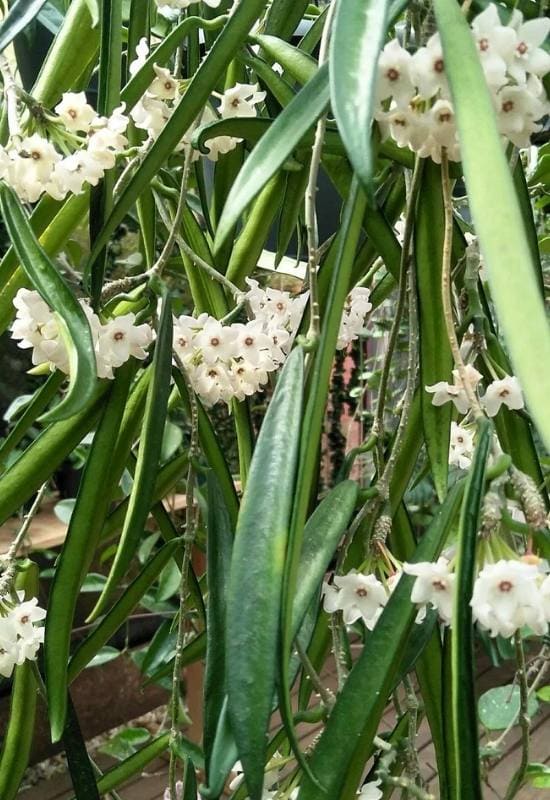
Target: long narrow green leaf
274	148
16	20
436	359
357	38
71	55
219	548
119	613
497	216
148	458
257	573
87	519
226	45
299	65
283	17
464	710
310	439
108	98
53	289
339	757
78	760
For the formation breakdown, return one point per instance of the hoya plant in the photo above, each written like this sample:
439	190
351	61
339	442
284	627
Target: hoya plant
213	214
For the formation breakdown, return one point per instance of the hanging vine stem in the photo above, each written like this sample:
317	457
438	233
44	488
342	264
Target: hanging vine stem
11	96
378	425
189	539
173	230
326	695
196	259
446	286
313	254
9	559
524	721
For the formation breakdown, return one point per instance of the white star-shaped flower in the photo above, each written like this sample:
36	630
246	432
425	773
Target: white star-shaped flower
505	391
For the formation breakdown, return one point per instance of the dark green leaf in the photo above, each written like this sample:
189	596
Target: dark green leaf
462	641
16	20
257	573
357	38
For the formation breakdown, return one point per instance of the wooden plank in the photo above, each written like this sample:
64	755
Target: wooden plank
47	531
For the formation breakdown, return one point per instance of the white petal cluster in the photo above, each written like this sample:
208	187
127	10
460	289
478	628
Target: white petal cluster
414	105
461	446
502	391
356	309
357	596
157	105
508	595
115	341
227	361
32	165
20	638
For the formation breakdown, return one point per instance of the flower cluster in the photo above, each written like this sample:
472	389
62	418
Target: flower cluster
503	391
507	596
20	638
36	327
414	106
157	105
353	318
32	165
461	447
233	361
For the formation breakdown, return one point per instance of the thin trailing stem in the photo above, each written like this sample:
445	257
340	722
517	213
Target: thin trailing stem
313	253
197	260
327	697
341	667
408	396
9	559
446	287
11	96
378	425
173	230
524	721
189	539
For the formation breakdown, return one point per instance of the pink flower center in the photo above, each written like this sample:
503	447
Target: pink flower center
361	592
484	45
118	336
506	586
392	74
439	65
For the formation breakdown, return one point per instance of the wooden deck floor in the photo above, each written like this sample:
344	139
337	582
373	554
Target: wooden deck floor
151	784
